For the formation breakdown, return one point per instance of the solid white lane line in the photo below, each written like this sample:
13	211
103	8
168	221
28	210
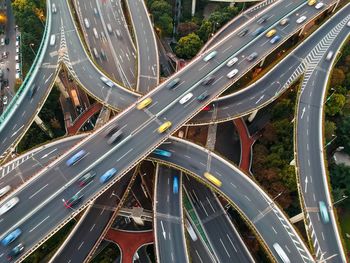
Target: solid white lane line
42	221
30	197
222	243
231	242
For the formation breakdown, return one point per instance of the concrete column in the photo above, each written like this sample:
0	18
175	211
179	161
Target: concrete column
252	115
335	6
193	7
262	63
42	126
62	88
301	31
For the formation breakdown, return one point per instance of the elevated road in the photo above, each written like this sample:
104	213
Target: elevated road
310	151
170	242
224	239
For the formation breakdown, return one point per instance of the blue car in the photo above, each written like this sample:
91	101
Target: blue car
258	31
11	237
275	39
323	212
162	152
108	175
76	157
176	185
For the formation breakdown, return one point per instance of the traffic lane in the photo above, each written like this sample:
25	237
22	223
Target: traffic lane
25	166
90	229
269	222
198	252
170	232
147	49
222	235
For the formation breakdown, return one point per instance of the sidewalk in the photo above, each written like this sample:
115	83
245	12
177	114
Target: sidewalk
129	242
246	144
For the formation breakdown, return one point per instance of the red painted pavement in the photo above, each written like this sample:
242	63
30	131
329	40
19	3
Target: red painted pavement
129	242
246	143
79	122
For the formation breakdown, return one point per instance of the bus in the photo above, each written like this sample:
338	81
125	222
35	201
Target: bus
211	178
281	253
75	158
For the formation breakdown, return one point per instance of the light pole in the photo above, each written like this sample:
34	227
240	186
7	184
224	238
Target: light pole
330	95
334	137
341	199
31	45
113	194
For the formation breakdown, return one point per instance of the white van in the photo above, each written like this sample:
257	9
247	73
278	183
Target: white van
232	73
329	55
95	32
17	58
17	67
52	40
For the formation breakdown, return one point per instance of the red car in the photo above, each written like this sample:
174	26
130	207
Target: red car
207	108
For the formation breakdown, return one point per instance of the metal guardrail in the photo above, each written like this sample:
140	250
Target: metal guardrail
17	99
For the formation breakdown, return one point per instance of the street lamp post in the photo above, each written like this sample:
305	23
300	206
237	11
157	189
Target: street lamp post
31	45
113	194
341	199
334	137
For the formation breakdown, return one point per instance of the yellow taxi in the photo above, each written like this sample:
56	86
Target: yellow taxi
144	103
311	2
271	33
162	128
211	178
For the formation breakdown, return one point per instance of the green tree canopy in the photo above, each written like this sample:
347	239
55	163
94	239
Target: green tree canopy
335	103
188	46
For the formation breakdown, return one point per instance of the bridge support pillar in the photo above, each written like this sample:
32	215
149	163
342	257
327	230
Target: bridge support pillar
193	7
252	115
262	62
301	31
292	162
297	218
42	126
335	6
62	88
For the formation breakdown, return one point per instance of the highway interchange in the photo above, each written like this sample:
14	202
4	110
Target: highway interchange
164	107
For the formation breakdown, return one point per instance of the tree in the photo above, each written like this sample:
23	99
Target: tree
340	178
338	77
159	8
165	23
186	28
334	104
188	46
343	133
329	129
205	30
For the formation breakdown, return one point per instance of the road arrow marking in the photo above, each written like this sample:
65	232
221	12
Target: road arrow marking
164	235
302	113
306	181
13	134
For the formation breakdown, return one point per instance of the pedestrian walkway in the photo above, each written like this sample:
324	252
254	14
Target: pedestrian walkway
246	144
79	122
129	242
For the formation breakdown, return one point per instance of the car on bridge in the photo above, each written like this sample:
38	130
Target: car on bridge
210	56
11	237
211	178
106	81
75	158
208	80
323	212
74	200
144	103
175	185
8	205
275	39
86	178
162	152
5	190
15	251
162	128
108	175
172	84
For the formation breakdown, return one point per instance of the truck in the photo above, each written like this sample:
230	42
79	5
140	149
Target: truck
74	97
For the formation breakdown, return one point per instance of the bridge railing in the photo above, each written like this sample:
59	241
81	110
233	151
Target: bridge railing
17	99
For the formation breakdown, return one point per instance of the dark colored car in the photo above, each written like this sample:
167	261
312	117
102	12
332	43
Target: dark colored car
243	32
262	19
32	90
258	31
202	97
111	130
172	84
73	200
252	56
15	252
208	80
86	178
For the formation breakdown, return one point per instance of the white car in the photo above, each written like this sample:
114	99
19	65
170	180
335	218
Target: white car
86	22
107	82
319	5
54	10
232	73
348	24
301	19
186	98
4	100
210	56
5	190
3	41
231	62
8	205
